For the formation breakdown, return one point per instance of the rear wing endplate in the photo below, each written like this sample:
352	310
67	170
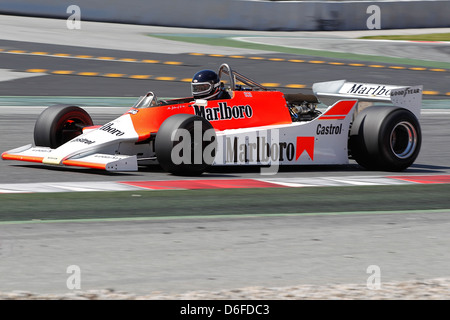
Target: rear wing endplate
408	97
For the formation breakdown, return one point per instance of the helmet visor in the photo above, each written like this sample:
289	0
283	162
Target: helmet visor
201	88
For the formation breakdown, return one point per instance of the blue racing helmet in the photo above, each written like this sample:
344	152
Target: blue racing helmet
205	84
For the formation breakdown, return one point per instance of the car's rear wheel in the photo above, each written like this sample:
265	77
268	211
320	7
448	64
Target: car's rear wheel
385	138
60	123
185	145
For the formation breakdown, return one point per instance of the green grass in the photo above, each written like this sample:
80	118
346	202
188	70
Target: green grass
208	203
417	37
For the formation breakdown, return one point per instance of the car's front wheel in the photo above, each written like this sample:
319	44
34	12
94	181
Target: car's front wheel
59	124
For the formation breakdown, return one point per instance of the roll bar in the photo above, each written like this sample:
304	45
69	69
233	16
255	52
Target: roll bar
236	76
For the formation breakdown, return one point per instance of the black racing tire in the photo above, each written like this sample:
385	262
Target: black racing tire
165	145
59	124
385	138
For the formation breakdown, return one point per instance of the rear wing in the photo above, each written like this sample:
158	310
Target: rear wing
408	97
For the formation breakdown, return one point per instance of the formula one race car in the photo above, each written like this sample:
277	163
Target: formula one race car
252	126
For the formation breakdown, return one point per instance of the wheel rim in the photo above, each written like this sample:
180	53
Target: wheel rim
403	140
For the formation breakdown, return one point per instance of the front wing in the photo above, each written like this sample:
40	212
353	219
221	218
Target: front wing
95	161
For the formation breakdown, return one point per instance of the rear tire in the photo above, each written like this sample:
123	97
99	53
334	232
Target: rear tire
169	157
385	138
59	124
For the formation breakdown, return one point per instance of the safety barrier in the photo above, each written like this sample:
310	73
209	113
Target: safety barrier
247	14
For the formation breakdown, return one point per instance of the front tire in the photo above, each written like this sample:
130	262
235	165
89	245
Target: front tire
59	124
385	138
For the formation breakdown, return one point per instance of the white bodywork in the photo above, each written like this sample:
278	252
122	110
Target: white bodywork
320	141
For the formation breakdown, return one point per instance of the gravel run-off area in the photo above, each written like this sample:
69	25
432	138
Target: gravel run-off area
430	289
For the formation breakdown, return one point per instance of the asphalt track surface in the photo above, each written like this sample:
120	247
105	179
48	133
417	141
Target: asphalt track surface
182	254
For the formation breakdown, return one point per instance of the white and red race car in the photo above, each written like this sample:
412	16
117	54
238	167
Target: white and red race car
376	125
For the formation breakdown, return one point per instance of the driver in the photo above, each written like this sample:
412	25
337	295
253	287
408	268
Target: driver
206	85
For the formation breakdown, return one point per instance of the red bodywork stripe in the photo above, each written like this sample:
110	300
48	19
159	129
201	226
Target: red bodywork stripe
84	164
6	156
339	111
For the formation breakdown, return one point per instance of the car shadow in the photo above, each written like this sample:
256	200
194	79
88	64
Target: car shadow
236	171
75	170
